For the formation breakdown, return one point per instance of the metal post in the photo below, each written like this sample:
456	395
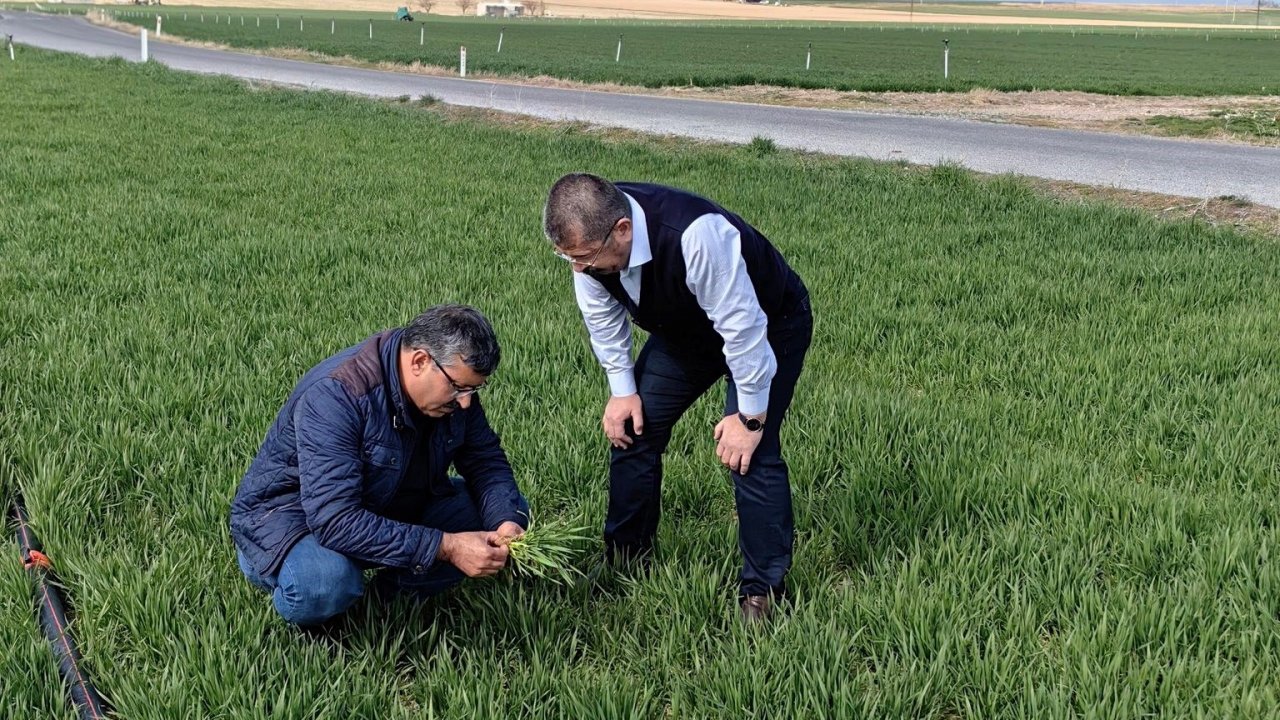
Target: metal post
422	35
500	34
618	56
462	63
299	23
8	40
946	59
333	24
158	27
370	29
808	56
277	22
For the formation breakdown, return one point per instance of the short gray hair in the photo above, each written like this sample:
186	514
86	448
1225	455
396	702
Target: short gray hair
582	205
449	331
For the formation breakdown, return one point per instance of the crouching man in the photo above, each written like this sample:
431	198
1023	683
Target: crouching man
353	474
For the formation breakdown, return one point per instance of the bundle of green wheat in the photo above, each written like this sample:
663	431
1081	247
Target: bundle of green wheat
547	551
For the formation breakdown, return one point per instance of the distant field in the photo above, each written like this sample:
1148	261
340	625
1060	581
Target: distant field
1034	446
811	11
1210	15
844	57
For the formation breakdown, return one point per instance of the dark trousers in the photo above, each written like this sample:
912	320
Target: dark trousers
669	378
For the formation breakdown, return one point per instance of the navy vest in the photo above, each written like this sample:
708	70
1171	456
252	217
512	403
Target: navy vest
667	308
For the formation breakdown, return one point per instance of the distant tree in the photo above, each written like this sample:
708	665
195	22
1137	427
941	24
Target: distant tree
534	8
425	6
466	6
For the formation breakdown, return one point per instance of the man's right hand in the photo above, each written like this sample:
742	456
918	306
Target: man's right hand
616	414
476	554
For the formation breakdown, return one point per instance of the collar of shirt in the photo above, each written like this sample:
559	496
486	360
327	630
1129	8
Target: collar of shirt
641	252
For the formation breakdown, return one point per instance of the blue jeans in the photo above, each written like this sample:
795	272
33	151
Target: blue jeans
315	583
669	378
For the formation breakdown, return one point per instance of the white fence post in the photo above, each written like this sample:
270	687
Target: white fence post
158	19
422	35
144	45
808	56
946	59
500	34
618	56
462	62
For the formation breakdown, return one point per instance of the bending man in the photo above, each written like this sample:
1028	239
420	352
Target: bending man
718	301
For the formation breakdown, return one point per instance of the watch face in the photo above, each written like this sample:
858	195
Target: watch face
753	424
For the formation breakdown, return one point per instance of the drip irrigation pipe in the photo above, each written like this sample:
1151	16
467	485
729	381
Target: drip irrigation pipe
53	621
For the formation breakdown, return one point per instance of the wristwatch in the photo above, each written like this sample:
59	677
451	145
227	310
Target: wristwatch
752	424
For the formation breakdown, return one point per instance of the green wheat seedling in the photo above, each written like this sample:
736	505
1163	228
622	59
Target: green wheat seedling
1032	454
547	551
845	57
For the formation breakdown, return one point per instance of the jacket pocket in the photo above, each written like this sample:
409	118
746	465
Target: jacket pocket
383	466
382	456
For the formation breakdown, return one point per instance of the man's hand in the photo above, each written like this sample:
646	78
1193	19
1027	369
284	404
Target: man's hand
476	554
735	444
616	414
508	531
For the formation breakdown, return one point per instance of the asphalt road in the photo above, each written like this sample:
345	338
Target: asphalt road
1176	167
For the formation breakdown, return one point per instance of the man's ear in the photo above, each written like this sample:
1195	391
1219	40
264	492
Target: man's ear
418	361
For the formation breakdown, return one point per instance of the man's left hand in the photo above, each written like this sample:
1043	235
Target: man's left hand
735	444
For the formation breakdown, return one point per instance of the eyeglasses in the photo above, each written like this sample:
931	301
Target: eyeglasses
592	262
459	391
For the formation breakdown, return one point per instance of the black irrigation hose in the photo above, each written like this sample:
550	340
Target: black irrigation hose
53	620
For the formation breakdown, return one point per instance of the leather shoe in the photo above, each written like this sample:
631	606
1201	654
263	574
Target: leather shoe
756	609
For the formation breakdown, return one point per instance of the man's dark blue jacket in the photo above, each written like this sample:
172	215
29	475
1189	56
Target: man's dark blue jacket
337	453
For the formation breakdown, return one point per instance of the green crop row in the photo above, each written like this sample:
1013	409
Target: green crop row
1120	61
1033	450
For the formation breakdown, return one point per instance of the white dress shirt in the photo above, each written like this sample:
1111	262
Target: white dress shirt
716	274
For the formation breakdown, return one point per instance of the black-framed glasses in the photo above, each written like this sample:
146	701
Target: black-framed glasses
591	263
459	391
